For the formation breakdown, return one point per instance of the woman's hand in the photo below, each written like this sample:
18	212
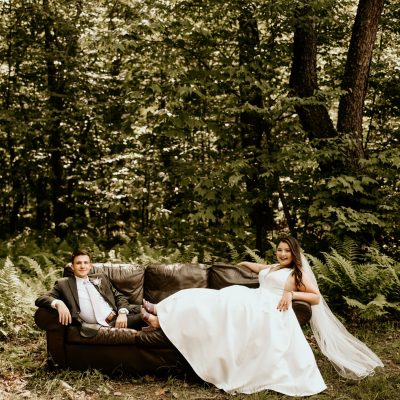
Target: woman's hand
285	301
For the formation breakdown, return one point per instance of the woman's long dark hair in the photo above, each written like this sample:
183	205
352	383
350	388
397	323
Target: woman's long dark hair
296	262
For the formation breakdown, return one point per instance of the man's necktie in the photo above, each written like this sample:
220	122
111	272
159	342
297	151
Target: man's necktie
98	310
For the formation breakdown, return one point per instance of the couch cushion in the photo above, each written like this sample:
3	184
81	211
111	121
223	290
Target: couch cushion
126	278
114	336
109	336
162	280
222	275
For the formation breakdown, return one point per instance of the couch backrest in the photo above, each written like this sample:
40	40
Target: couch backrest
127	279
222	275
155	282
162	280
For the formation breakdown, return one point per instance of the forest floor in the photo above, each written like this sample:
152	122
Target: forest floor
23	375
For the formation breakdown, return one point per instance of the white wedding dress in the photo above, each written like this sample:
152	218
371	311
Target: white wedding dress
236	338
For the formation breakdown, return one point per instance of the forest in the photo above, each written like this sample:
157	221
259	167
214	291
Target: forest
154	130
192	123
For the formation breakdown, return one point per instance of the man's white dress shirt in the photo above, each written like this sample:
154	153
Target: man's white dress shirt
94	309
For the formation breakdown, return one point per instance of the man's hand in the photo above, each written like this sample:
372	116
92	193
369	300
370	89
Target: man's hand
64	316
122	321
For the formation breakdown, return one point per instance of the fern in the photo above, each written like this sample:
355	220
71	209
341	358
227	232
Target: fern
347	248
16	302
30	266
346	265
254	255
375	308
33	266
233	254
367	291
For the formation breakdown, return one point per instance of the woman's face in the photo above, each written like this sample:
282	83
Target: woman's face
284	254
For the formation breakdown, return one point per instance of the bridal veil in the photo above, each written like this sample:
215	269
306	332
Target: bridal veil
350	357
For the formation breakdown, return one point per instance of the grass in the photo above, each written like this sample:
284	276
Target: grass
23	375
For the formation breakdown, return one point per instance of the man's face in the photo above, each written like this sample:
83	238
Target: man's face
81	266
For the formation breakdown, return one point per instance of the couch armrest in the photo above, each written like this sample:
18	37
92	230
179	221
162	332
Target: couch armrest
47	319
303	312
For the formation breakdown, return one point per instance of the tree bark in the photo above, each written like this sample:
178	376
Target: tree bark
356	73
253	129
56	106
14	197
59	52
303	78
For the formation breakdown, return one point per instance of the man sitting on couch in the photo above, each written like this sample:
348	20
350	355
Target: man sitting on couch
90	299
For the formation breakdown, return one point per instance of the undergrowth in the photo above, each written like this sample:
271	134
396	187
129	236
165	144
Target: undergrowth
359	283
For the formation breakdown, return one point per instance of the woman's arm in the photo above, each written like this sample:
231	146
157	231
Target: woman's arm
308	292
255	267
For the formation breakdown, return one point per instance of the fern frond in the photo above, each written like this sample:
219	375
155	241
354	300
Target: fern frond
48	260
394	274
331	268
9	280
348	248
346	265
355	303
318	267
32	265
256	258
382	260
233	253
374	309
16	300
328	280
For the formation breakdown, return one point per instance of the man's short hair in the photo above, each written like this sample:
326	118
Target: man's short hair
80	252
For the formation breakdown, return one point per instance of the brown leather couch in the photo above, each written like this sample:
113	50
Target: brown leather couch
126	351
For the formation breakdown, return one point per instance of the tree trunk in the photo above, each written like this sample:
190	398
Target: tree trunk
59	51
15	197
303	78
355	78
314	118
253	128
303	82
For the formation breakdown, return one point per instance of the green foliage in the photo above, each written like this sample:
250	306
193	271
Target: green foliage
16	301
368	290
122	121
234	255
29	267
255	257
142	253
34	271
347	248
